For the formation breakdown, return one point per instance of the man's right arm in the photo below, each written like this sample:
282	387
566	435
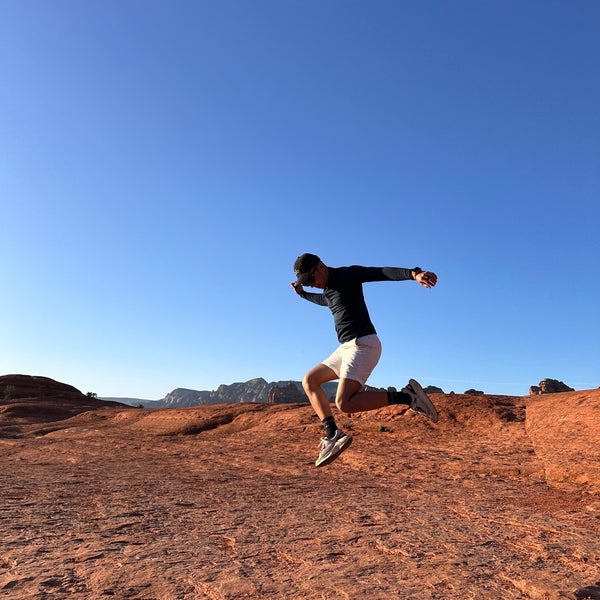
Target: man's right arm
310	296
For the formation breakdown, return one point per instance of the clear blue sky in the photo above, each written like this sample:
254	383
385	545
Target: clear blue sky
163	163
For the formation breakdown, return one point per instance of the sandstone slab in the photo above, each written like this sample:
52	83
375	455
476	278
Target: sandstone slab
565	431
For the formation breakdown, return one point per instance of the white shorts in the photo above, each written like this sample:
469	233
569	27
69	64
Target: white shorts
355	359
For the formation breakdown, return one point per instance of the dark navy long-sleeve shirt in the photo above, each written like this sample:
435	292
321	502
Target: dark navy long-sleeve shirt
344	297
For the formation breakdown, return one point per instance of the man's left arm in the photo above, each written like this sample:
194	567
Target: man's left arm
427	279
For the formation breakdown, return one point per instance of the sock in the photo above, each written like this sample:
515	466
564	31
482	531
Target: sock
399	398
330	427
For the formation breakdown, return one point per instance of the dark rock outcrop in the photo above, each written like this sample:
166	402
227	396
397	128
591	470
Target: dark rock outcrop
549	386
255	390
289	394
432	389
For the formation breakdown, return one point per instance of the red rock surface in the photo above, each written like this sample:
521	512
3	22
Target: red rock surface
565	431
223	502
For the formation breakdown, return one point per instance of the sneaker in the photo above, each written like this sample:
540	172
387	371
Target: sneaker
331	449
420	400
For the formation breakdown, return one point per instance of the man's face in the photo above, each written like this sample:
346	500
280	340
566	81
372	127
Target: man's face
318	276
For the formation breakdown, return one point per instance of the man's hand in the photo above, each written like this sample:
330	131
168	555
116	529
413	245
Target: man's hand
297	288
426	279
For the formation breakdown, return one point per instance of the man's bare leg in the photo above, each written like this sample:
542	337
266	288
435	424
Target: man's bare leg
350	399
335	440
312	386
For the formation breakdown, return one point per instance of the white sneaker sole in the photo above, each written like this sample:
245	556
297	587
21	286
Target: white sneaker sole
424	404
337	449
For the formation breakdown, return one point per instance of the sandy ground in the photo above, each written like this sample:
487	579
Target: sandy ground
224	502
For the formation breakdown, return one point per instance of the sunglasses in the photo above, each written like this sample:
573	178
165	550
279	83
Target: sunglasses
310	280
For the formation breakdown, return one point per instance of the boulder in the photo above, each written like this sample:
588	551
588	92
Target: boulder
549	386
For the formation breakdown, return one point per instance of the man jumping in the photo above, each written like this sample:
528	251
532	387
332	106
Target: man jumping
359	350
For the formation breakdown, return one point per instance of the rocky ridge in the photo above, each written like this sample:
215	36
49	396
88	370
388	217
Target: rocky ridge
256	390
260	391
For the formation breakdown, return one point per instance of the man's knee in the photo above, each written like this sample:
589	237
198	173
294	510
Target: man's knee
307	384
310	381
347	390
316	376
344	404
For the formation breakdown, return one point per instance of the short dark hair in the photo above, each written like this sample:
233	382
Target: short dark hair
303	266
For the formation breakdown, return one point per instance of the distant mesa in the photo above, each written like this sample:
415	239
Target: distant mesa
549	386
473	392
256	391
286	394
